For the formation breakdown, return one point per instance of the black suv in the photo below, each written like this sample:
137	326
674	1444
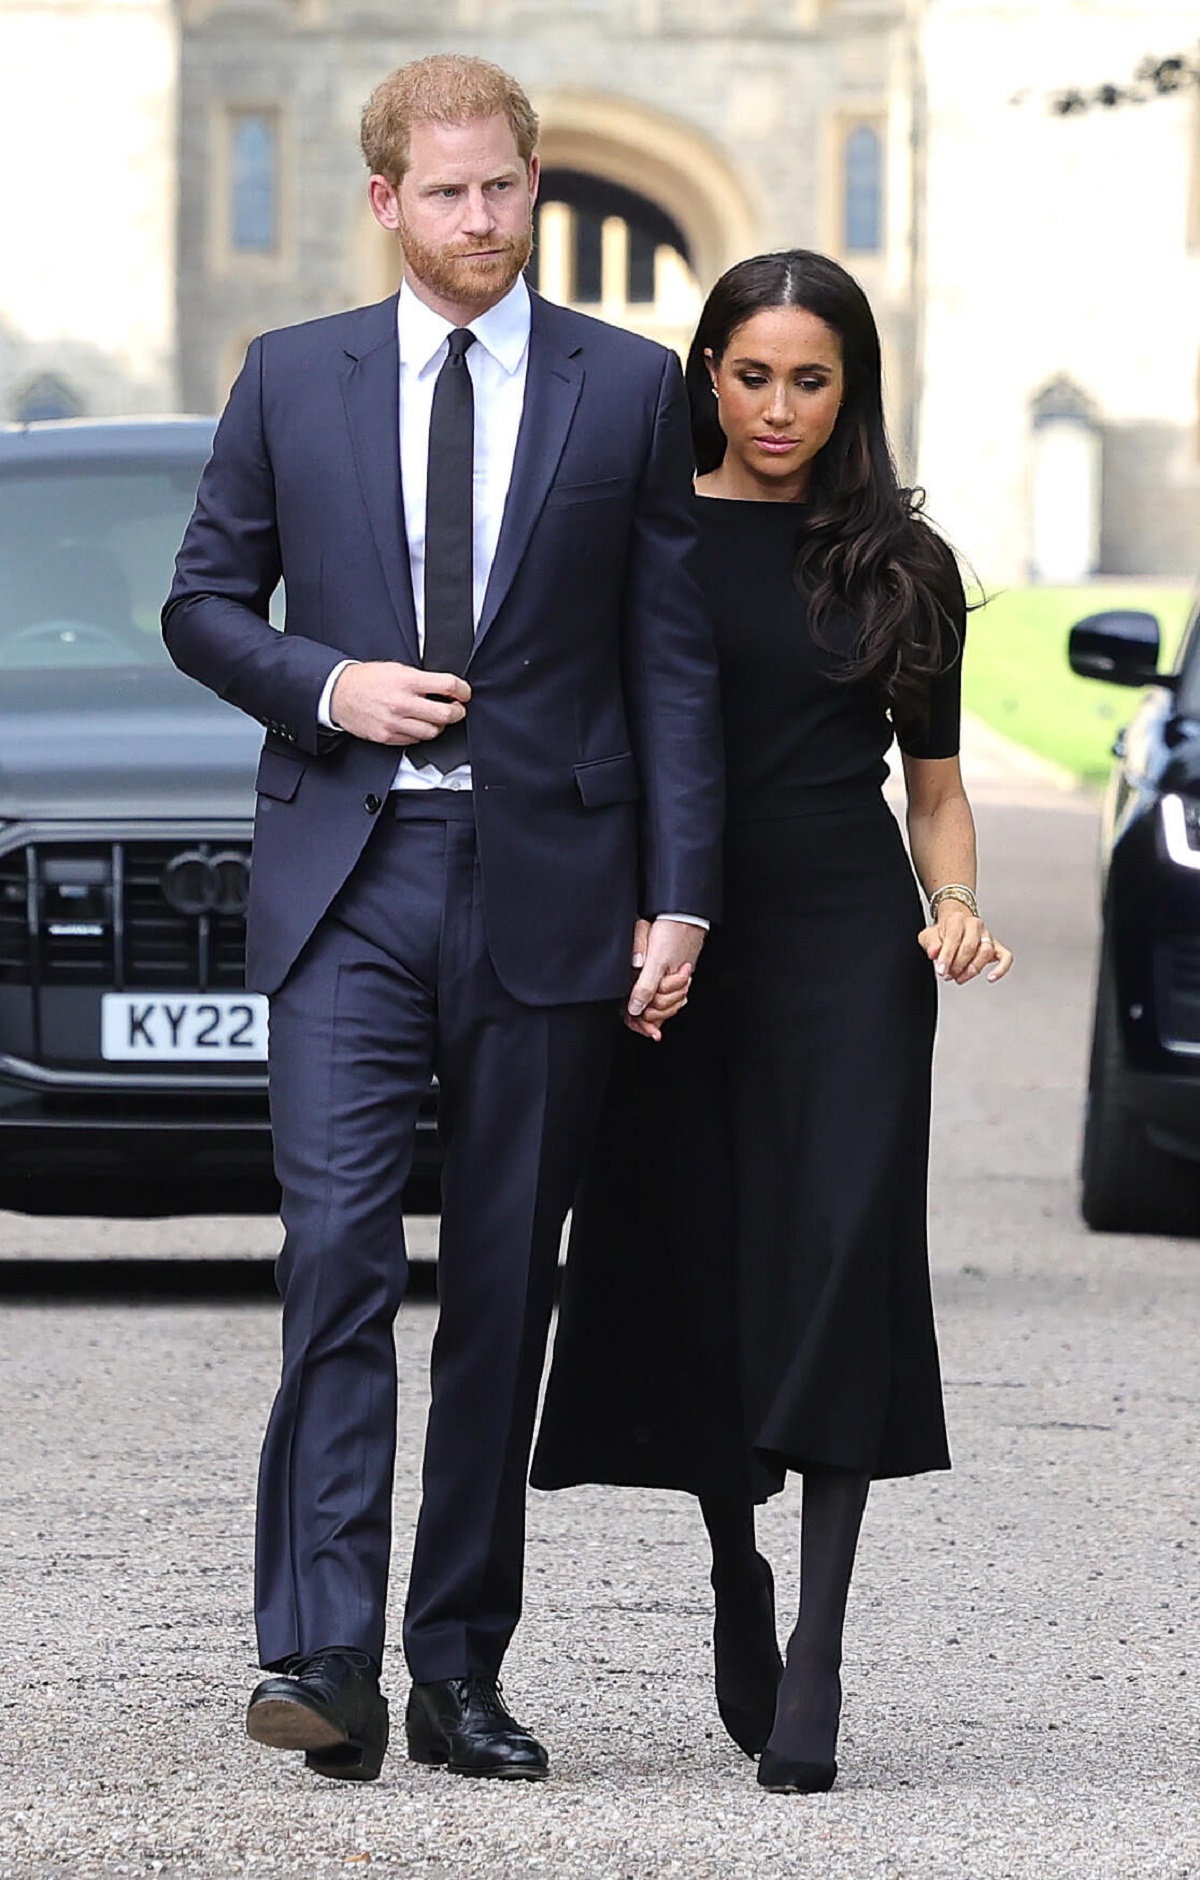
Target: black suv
132	1060
1141	1147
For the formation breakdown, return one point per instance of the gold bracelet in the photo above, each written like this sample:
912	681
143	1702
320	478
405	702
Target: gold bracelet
953	891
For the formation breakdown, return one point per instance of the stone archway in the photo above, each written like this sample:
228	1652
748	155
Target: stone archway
659	157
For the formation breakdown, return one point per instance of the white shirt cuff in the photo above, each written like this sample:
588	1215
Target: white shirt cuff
687	920
324	719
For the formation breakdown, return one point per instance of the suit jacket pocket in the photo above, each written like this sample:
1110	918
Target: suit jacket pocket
565	495
279	775
608	780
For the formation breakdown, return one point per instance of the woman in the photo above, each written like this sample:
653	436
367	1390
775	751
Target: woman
747	1291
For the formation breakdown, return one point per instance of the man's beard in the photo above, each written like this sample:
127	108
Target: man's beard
466	279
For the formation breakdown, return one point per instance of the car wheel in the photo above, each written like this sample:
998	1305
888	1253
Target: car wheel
1128	1185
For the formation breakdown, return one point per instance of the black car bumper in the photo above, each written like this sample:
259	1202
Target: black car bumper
1169	1105
73	1154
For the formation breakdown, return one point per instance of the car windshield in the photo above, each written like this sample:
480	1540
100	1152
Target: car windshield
86	555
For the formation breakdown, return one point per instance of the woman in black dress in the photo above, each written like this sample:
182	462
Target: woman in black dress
747	1289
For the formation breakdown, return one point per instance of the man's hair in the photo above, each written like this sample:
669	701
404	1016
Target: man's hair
448	88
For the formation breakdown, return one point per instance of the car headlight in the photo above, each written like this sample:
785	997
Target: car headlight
1181	830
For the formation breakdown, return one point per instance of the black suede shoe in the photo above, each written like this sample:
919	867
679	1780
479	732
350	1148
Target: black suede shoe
329	1705
782	1777
746	1653
461	1723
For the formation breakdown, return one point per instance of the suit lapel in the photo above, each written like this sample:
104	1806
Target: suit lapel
553	382
371	391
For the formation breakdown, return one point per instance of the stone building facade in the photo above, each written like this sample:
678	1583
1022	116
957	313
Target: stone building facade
1036	278
1061	270
88	136
728	121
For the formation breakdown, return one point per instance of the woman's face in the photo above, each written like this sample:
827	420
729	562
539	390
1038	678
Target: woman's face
779	386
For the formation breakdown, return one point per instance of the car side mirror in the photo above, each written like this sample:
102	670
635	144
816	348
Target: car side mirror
1121	646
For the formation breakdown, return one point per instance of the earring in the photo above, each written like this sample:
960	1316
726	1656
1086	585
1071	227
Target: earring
714	391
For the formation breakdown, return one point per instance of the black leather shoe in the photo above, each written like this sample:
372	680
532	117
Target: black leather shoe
461	1723
781	1777
329	1705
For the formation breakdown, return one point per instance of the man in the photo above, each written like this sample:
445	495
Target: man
492	742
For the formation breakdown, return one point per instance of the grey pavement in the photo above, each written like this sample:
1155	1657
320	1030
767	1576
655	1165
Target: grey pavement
1022	1658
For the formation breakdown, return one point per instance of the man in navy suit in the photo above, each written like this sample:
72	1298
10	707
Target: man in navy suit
492	746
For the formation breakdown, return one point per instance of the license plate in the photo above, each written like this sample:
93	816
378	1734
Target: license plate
189	1028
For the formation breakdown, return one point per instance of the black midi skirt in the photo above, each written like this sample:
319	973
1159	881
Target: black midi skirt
747	1286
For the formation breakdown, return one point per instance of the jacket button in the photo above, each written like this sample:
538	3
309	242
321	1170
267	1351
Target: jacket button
373	804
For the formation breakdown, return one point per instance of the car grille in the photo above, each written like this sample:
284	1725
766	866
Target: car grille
98	914
1177	989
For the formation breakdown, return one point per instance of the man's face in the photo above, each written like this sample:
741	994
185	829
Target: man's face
463	211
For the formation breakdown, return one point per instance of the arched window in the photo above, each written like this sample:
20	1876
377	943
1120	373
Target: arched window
1066	484
253	182
862	191
46	396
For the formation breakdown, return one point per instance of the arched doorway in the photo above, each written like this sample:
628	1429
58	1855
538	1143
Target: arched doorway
609	250
661	159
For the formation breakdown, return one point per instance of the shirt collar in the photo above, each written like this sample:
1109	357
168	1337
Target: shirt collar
503	331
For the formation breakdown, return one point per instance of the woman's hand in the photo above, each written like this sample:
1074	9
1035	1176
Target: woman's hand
960	946
671	997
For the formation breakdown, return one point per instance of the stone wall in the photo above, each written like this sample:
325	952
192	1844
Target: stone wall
87	207
1059	248
727	114
1150	522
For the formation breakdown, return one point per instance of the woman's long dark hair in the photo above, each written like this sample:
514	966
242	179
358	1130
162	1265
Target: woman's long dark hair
865	549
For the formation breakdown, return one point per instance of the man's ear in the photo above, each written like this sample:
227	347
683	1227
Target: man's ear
535	177
385	202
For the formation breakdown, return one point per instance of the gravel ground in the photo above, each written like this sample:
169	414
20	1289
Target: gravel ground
1021	1673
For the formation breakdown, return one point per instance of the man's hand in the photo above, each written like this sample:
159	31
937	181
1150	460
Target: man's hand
664	956
387	703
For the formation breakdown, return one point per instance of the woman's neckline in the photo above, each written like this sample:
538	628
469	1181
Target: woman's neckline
751	502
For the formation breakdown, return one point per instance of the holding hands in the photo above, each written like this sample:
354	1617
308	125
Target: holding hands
958	942
664	957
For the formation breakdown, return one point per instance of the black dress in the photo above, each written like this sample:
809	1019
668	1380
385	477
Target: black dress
747	1285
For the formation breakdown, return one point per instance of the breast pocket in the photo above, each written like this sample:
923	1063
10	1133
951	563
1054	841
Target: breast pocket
607	490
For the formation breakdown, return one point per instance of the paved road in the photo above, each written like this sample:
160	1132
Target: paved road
1021	1682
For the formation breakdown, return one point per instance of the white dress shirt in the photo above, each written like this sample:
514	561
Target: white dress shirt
497	363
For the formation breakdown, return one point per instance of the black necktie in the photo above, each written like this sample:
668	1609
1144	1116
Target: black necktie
449	538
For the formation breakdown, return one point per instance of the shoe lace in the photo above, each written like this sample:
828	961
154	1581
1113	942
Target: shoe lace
321	1663
486	1695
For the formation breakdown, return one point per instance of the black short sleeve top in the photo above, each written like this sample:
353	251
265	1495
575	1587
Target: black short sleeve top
795	732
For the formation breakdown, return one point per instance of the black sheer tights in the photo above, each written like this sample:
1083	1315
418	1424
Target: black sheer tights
799	1715
809	1704
745	1648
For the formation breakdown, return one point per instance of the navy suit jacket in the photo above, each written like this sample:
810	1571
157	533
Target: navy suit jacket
593	724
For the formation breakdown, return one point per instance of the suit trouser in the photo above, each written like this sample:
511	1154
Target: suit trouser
397	984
